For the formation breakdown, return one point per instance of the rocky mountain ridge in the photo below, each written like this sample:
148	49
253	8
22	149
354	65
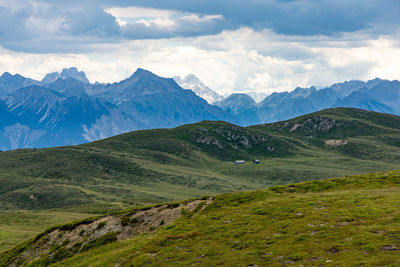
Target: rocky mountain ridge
65	108
68	111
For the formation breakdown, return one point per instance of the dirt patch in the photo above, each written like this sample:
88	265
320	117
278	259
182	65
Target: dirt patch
389	248
335	143
82	236
294	128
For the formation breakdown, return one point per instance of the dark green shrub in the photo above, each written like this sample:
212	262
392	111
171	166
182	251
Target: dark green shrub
125	221
105	239
101	225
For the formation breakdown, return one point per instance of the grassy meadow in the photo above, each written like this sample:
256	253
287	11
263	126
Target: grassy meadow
349	221
57	185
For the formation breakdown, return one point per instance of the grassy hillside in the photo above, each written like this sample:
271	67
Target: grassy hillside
349	221
154	166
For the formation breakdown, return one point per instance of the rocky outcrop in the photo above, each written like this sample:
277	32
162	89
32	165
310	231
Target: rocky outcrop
74	238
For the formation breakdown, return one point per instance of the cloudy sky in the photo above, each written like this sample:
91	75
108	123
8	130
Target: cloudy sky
232	45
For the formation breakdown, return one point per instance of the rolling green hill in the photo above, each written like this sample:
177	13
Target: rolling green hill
154	166
349	221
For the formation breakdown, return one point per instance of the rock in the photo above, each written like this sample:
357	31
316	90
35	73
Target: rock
294	128
333	250
315	259
286	262
389	248
335	143
209	141
270	149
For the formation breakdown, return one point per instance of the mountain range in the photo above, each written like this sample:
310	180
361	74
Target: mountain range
64	108
375	95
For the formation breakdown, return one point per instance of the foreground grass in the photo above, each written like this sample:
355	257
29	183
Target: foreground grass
19	225
349	221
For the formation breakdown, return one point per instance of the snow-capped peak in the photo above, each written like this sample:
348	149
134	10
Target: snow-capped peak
191	82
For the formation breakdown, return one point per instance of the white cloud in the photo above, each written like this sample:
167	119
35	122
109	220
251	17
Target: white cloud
158	22
233	61
139	12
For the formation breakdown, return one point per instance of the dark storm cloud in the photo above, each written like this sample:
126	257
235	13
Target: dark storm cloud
290	17
57	25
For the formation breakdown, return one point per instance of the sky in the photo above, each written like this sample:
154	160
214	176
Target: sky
232	46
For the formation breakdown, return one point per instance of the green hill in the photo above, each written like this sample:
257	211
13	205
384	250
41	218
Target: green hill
349	221
155	166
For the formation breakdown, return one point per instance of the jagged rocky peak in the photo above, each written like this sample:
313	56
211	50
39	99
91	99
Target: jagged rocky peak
66	73
142	73
191	82
241	97
145	80
303	92
6	76
192	78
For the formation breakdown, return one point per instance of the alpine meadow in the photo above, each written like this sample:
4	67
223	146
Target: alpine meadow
199	133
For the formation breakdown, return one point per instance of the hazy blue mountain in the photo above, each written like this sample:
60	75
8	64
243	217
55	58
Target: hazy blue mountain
375	95
5	115
141	83
363	101
346	88
43	117
283	106
257	96
65	74
66	109
10	83
69	87
386	92
243	107
324	98
161	102
62	112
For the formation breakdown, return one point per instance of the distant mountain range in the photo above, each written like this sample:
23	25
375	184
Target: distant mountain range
375	95
64	108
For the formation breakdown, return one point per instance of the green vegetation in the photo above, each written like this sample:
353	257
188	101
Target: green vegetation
18	226
349	221
154	166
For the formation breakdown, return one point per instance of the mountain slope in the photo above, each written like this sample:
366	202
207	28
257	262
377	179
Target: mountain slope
43	117
343	221
70	111
69	87
375	95
10	83
154	166
196	159
243	107
363	101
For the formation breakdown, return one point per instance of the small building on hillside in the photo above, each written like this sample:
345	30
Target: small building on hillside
238	162
256	161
